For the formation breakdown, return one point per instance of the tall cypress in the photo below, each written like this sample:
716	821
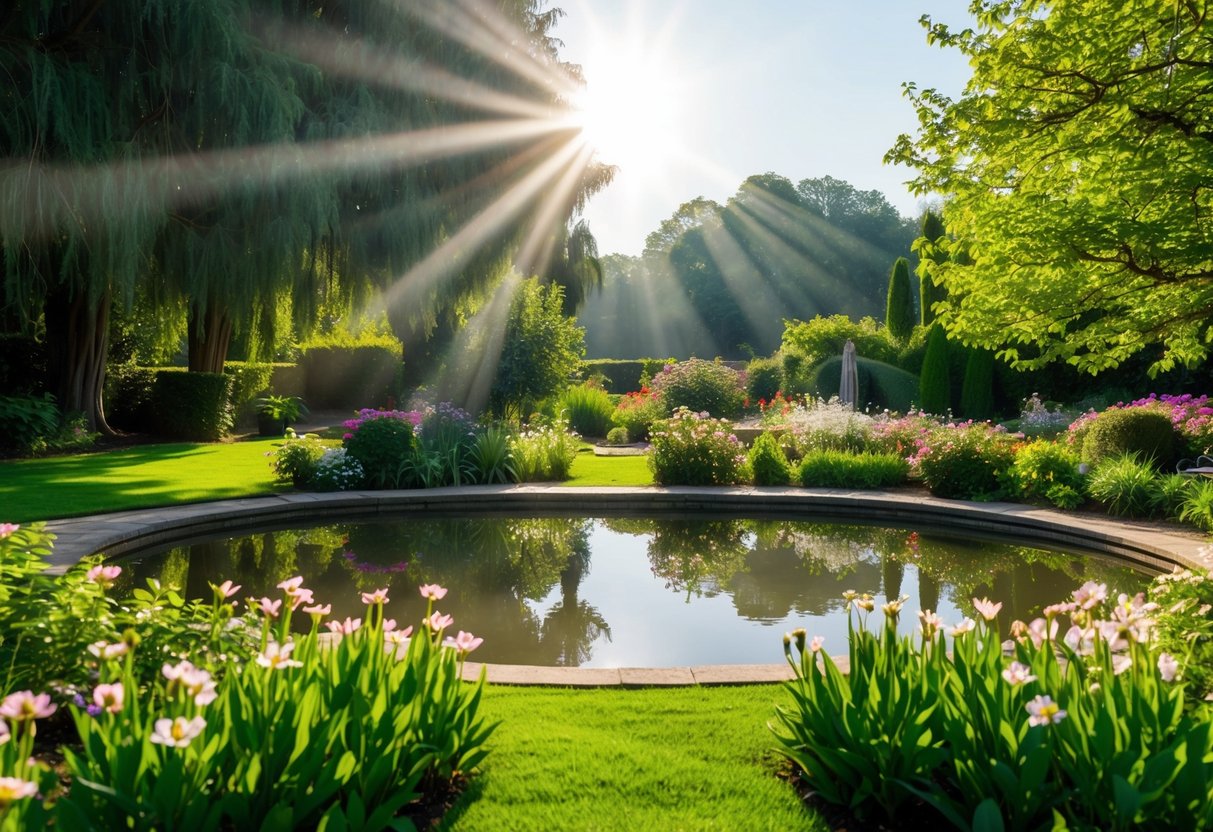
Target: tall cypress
929	292
934	384
899	310
977	392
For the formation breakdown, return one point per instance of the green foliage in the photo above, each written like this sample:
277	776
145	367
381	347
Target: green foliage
899	307
337	377
1183	626
763	379
1081	735
977	390
1174	492
1125	485
881	386
637	411
248	379
768	463
1045	472
295	459
544	453
542	349
1135	430
933	235
26	420
192	406
824	337
934	383
618	436
287	409
840	469
689	449
381	442
1197	505
589	409
623	375
490	457
1095	173
966	462
700	386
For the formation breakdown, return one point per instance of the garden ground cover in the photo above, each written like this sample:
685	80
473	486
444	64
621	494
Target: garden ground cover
684	758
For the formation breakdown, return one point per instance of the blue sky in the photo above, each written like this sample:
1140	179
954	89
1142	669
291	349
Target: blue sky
803	88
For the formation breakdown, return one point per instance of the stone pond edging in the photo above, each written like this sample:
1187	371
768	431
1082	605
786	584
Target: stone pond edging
1146	545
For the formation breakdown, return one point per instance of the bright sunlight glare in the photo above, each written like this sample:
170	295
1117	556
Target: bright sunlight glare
630	111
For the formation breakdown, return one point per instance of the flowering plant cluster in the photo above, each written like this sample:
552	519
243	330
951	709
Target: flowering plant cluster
1192	417
1079	726
337	470
244	723
828	425
775	411
637	411
901	435
370	414
966	461
695	449
1036	419
1184	624
544	452
700	385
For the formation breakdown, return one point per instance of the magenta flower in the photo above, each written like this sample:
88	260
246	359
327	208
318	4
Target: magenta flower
345	628
464	642
7	529
14	788
1043	710
25	706
433	592
103	575
226	589
438	621
987	608
379	596
177	733
109	697
278	656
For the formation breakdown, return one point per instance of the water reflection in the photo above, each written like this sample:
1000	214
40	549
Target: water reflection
629	591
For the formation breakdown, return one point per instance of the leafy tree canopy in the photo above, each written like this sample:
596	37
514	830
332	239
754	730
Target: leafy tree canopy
1078	171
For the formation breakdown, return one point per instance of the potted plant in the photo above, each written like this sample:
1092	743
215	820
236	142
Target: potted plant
274	413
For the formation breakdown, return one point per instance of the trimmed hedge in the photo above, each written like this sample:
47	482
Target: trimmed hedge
623	375
839	469
881	385
129	403
249	380
1142	431
339	377
192	406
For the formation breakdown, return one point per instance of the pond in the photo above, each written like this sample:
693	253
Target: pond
635	591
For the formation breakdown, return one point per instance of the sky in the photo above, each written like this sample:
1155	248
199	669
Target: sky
802	88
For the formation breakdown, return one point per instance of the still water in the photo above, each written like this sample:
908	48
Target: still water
634	592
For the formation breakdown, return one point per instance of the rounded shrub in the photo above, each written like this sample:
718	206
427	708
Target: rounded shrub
1046	472
617	436
702	387
768	463
383	442
838	469
296	459
588	408
764	378
689	449
967	462
637	411
1136	430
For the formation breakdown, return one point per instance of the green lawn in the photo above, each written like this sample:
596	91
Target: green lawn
609	470
677	759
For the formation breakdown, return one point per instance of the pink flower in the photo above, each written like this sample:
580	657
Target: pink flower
398	637
196	683
1044	711
319	610
1167	667
389	625
14	788
278	656
379	596
109	697
226	589
345	628
1041	631
433	592
7	529
266	606
24	706
107	652
464	642
816	644
1090	595
300	597
103	575
965	626
291	584
438	621
1018	674
987	608
931	623
1080	640
177	733
1121	663
5	734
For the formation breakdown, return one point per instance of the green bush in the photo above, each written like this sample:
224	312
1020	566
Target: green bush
490	457
899	317
542	349
839	469
1172	494
296	458
966	462
636	412
934	384
26	420
383	442
701	386
544	453
689	449
823	338
588	408
192	406
881	386
623	375
345	377
1183	627
768	463
129	398
1136	430
1125	485
977	389
796	371
763	379
1039	468
249	380
338	470
1197	505
618	436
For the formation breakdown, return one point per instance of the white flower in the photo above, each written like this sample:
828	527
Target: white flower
965	626
177	733
1018	674
278	656
1167	667
1044	711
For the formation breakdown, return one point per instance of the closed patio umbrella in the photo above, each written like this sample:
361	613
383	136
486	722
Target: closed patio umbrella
848	385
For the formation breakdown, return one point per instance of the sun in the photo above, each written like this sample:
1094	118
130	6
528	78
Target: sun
630	111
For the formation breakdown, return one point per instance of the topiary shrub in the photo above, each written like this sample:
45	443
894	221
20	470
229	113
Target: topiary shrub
768	463
763	379
838	469
588	408
701	386
1137	430
383	443
617	436
192	406
934	383
899	317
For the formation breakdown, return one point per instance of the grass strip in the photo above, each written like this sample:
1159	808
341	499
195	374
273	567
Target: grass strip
589	469
605	759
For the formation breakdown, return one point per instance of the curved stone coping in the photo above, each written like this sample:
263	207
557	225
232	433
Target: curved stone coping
1146	545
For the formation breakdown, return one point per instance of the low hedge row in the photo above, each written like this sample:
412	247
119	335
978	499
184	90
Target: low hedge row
623	375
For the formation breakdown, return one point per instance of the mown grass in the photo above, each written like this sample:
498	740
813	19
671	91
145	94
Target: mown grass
607	759
589	469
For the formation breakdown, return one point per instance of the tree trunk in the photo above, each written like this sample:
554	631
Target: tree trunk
77	344
209	336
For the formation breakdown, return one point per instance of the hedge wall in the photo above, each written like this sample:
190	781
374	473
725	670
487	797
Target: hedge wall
881	385
337	378
623	375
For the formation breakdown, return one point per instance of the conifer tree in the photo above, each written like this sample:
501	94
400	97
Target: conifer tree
934	383
977	392
933	231
899	309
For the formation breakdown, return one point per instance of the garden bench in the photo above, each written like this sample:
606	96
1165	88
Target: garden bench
1202	467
